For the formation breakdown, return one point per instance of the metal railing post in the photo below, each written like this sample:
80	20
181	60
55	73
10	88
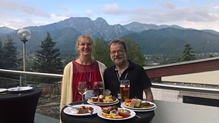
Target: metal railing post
21	81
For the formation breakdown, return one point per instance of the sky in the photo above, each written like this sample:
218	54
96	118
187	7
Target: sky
196	14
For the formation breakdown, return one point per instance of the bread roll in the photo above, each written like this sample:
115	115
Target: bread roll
133	102
138	103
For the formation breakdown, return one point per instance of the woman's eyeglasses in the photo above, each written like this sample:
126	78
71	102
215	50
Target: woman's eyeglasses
86	44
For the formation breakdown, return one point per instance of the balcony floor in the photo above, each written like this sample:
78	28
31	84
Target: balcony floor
44	119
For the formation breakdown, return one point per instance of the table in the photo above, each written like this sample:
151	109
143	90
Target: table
19	107
145	118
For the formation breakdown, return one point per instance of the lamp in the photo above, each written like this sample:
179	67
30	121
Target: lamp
24	35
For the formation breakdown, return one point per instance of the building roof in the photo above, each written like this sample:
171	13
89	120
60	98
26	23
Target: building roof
201	65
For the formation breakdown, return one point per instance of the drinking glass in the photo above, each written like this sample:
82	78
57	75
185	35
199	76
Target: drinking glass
82	89
98	88
124	89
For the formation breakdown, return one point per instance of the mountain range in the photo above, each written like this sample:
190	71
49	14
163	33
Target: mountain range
153	39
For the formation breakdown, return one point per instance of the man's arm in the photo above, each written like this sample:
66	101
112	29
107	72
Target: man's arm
149	95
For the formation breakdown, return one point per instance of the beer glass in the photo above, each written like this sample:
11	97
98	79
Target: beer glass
124	89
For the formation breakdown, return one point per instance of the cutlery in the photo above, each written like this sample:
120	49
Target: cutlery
91	112
3	93
77	108
138	116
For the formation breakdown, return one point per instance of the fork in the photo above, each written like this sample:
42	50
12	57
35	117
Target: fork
138	116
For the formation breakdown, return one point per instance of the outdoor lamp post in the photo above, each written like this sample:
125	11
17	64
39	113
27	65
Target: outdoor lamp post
24	35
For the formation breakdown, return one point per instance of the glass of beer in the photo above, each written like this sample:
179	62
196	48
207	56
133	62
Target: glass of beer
124	89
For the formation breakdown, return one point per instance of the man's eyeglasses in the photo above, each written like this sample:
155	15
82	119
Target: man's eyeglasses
118	52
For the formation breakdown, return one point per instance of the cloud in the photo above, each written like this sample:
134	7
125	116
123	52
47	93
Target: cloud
33	11
69	14
19	15
63	8
113	9
168	5
9	5
89	13
190	14
185	1
19	23
58	17
23	8
168	13
216	7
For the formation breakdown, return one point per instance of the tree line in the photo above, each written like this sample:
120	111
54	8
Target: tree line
48	58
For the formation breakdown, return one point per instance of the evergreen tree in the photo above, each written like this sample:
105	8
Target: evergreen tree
210	56
9	54
188	54
101	52
135	53
48	58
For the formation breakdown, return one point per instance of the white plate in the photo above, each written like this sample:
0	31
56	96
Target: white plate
154	105
70	111
15	89
136	110
3	90
103	103
132	114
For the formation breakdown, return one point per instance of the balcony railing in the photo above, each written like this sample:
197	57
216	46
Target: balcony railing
176	103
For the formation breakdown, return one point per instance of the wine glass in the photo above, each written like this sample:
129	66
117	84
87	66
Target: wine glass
98	88
82	89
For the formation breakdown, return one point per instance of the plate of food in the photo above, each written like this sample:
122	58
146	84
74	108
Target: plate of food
81	110
140	110
102	100
138	105
114	113
3	90
17	89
